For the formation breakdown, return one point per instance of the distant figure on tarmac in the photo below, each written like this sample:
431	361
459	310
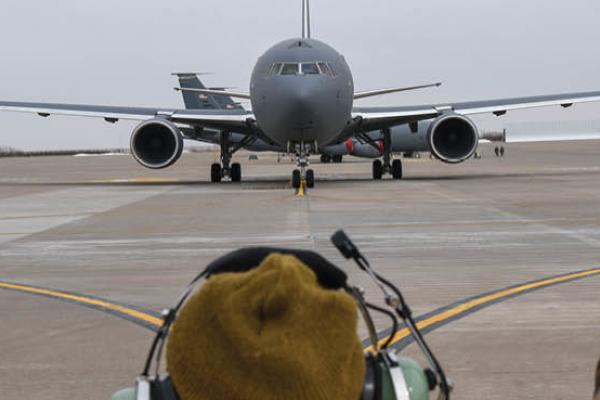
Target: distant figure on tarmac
597	390
270	333
502	151
497	151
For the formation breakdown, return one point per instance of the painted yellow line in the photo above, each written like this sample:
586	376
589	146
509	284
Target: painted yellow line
138	315
439	318
466	307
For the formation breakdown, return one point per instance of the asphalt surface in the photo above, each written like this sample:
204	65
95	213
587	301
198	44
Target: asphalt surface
105	227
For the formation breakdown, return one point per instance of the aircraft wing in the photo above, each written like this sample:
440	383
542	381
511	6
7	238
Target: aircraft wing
235	120
373	118
553	137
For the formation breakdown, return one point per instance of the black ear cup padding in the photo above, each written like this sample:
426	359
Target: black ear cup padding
329	276
163	389
372	377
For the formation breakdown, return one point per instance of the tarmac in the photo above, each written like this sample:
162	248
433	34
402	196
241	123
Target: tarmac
80	237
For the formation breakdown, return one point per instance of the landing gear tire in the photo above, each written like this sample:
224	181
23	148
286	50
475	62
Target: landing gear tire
338	159
377	170
397	169
236	172
296	179
310	179
215	173
325	159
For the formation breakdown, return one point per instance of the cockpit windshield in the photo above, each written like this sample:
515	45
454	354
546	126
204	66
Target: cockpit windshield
290	69
325	69
311	68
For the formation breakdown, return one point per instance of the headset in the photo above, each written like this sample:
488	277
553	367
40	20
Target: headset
387	375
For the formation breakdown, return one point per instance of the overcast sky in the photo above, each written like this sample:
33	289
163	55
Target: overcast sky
119	52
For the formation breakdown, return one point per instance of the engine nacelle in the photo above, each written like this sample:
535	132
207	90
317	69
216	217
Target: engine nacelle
156	143
453	138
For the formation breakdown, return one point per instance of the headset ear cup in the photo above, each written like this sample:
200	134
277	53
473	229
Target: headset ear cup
370	387
163	389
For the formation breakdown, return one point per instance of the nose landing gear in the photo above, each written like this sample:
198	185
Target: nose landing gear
303	175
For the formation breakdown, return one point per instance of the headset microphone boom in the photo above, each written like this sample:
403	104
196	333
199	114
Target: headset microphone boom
395	300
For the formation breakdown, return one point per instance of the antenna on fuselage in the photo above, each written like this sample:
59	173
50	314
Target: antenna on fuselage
305	19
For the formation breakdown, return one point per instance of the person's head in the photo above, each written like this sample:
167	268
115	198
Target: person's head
270	333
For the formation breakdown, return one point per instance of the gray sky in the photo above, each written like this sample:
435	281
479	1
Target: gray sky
119	52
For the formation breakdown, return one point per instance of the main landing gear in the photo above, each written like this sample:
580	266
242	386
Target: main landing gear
326	159
387	166
225	169
302	174
218	172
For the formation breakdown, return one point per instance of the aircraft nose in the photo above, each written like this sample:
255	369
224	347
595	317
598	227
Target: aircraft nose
300	108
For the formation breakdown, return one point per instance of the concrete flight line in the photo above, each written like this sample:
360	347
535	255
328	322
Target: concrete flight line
438	318
147	319
138	180
427	323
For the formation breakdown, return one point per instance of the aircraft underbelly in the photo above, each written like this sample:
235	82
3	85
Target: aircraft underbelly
310	131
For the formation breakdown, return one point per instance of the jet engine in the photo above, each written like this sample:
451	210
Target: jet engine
156	143
453	138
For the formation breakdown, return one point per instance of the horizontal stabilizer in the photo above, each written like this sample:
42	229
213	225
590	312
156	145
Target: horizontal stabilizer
190	73
212	92
372	93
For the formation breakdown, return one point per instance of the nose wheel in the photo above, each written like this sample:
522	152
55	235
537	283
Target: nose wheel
303	176
308	179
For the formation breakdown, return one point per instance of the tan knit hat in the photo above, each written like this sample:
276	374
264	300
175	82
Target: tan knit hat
270	333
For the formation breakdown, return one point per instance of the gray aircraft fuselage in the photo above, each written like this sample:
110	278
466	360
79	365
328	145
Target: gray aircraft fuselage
302	107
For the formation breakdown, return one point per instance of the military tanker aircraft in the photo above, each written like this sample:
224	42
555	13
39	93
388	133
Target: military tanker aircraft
303	103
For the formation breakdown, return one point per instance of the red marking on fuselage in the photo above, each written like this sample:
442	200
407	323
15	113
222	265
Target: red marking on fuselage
350	146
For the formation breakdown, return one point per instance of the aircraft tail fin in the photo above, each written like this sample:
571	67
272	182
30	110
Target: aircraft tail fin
199	101
306	34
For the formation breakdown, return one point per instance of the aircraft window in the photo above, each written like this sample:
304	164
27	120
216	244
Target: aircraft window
325	70
275	69
313	68
290	69
333	73
310	69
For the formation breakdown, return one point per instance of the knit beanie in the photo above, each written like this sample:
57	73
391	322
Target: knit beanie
270	333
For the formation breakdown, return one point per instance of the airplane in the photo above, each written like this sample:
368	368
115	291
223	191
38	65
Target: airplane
303	103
